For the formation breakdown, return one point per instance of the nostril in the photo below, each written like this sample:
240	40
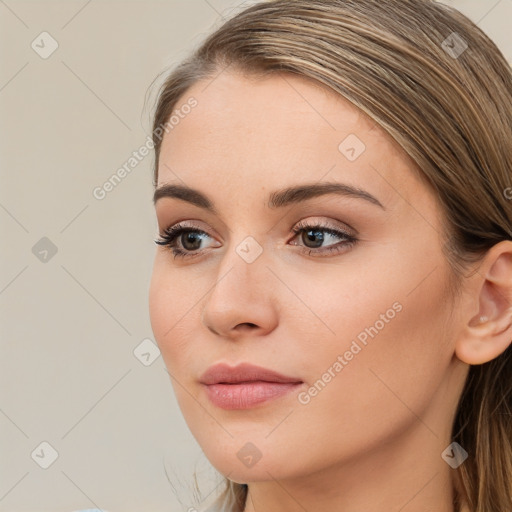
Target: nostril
248	325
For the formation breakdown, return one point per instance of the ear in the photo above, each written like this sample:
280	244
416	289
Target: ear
487	331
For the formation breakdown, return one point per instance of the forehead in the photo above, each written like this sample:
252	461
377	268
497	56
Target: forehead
282	105
250	131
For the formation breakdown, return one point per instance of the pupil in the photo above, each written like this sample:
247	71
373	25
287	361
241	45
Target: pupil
191	237
311	237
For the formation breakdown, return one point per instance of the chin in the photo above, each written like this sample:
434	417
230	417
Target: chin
246	464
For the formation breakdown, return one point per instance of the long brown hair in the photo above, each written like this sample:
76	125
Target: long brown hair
431	79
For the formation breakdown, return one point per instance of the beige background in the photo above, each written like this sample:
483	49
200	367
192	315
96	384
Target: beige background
70	321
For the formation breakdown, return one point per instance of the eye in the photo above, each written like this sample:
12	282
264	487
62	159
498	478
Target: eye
314	236
185	241
189	239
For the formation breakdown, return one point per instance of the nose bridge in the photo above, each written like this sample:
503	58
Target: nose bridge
241	292
243	270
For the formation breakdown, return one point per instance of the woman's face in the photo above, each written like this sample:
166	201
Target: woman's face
363	326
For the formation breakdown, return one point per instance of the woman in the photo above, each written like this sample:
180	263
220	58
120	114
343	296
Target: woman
332	290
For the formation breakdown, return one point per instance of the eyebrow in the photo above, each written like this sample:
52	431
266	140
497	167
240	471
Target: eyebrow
277	199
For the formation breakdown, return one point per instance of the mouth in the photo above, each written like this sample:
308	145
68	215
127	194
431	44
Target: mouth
245	385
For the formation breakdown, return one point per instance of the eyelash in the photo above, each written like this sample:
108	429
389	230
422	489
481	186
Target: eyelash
171	235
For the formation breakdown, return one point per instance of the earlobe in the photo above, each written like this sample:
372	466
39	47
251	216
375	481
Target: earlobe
488	332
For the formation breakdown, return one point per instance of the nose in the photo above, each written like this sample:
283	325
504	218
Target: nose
243	299
240	328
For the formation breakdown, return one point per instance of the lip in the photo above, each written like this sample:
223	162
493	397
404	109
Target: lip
244	372
245	385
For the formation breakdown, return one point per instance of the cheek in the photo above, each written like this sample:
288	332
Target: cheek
389	329
170	310
394	305
158	295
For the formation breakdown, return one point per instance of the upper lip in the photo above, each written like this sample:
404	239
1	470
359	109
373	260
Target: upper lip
244	372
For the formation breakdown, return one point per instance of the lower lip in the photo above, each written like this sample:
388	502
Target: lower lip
248	394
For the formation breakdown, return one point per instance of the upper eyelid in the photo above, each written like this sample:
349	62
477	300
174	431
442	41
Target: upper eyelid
172	233
309	204
345	226
301	224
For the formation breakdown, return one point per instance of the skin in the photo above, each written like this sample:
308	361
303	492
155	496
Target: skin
372	438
